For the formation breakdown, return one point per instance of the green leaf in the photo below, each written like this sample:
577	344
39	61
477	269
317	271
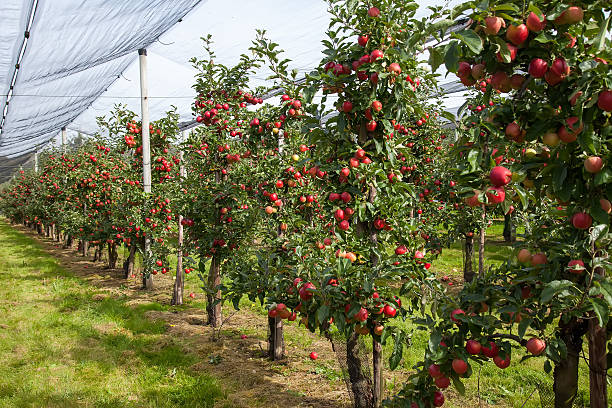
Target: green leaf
603	177
553	288
458	385
322	313
451	58
599	42
523	326
436	58
598	231
520	191
507	6
503	49
471	39
601	309
559	175
547	367
398	349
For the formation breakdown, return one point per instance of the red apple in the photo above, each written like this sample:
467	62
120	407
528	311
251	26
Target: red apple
559	67
538	68
500	176
473	347
575	126
604	101
344	225
501	363
593	164
491	351
464	69
442	382
605	205
459	366
395	68
524	256
570	16
390	311
363	40
536	346
478	71
534	23
373	12
495	195
401	250
314	355
347	106
582	220
539	259
434	371
438	399
493	25
517	34
576	266
455	313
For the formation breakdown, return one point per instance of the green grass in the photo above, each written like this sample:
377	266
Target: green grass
61	348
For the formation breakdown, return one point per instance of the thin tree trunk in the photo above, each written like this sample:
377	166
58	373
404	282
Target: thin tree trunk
377	374
69	241
276	341
361	385
214	280
112	256
509	228
565	375
598	360
128	265
85	248
468	258
481	243
147	277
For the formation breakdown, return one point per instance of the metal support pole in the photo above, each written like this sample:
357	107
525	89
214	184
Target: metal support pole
179	283
36	161
146	158
64	139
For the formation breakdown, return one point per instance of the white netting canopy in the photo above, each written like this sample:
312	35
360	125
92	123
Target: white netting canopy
81	57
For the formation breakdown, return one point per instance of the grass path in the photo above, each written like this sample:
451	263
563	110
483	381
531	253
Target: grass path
82	337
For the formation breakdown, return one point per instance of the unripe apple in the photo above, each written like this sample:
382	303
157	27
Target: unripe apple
550	139
478	71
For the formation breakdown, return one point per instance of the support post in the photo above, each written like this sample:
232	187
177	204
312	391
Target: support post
64	138
36	161
147	280
179	283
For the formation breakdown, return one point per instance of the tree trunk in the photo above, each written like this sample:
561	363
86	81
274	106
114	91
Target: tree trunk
112	256
509	229
481	243
468	258
361	385
85	248
377	374
598	359
565	375
128	265
179	283
214	280
97	254
69	241
276	341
